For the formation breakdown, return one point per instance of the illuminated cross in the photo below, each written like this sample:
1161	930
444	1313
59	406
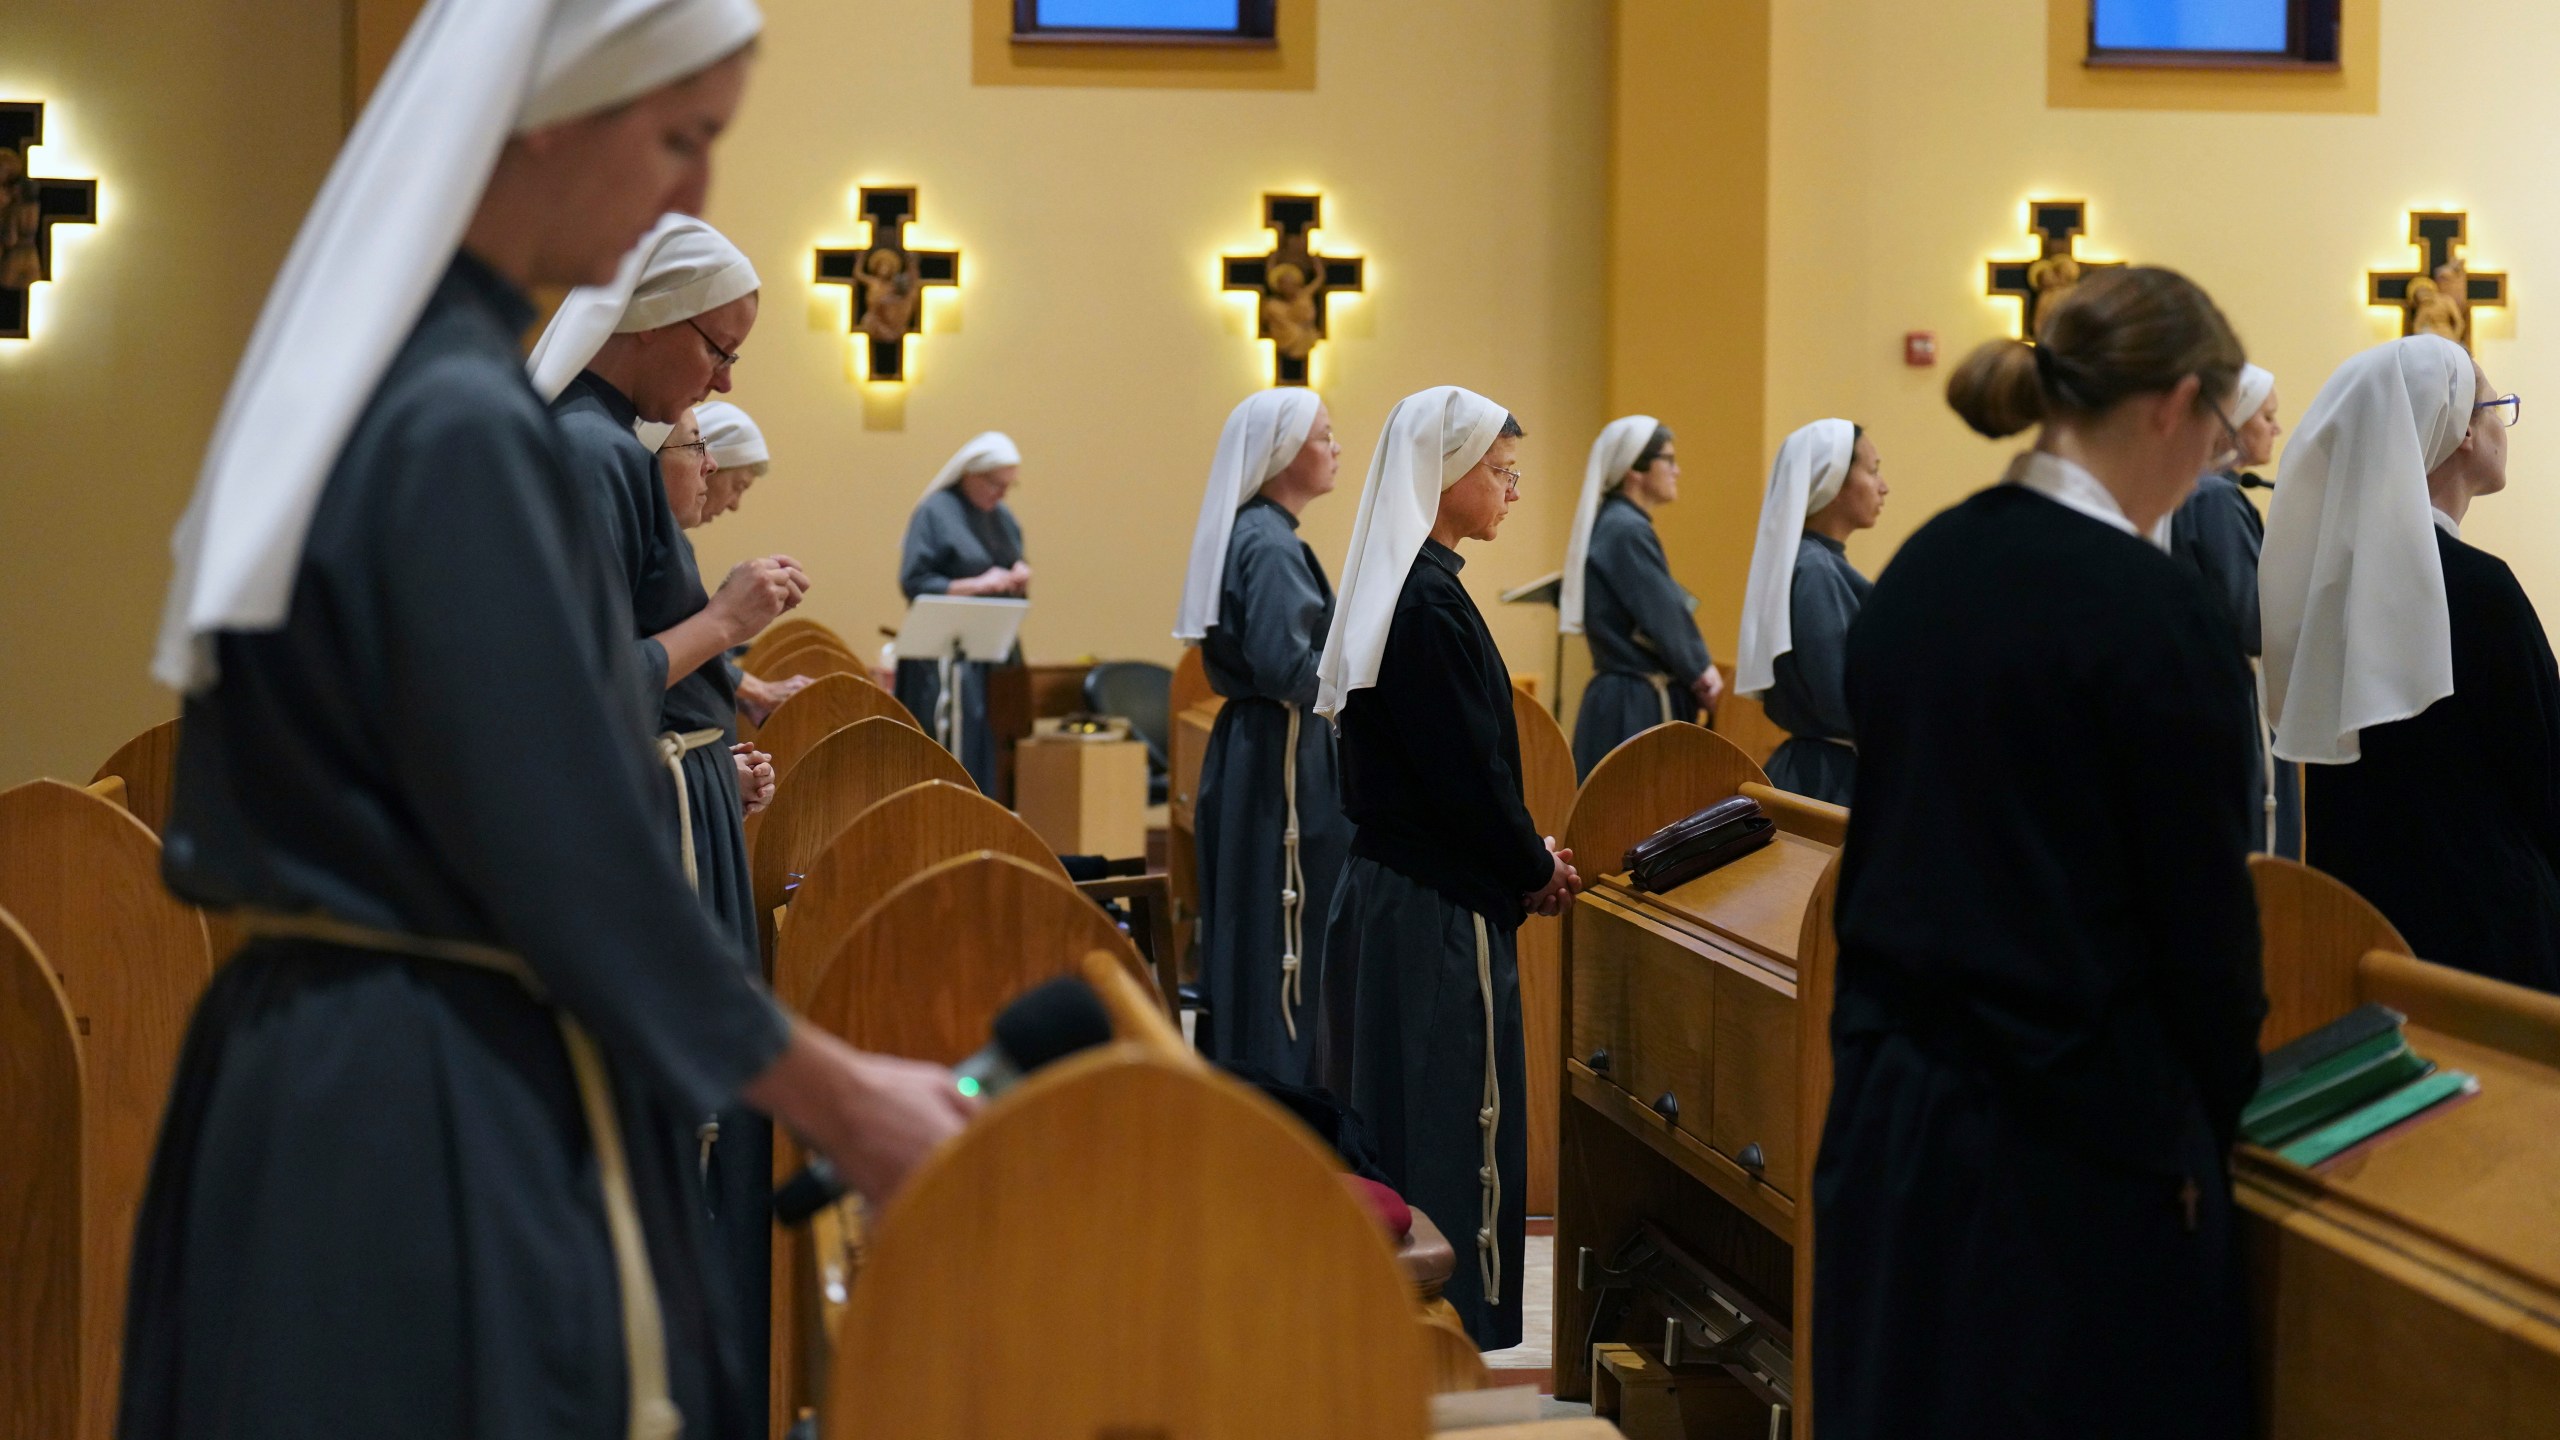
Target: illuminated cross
2438	234
29	209
887	279
2048	277
1290	284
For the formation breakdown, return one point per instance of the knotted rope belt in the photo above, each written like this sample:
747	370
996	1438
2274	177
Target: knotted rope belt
1293	889
673	746
1662	692
653	1413
1489	1120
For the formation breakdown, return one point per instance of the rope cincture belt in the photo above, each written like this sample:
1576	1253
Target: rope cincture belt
1662	692
673	746
653	1414
1488	1119
1293	889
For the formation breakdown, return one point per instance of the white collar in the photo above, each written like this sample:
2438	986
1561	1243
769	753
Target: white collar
2445	523
2070	485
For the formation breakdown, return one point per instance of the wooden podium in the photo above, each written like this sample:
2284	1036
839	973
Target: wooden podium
1687	1120
2411	1287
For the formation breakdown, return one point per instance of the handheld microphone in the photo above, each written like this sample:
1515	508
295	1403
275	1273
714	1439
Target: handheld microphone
1048	1022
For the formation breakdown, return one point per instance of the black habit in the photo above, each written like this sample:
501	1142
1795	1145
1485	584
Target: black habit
374	1209
653	558
1645	646
1420	945
2048	996
2450	824
950	539
1274	607
2218	534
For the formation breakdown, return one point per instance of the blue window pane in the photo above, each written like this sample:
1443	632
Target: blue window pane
2257	25
1212	15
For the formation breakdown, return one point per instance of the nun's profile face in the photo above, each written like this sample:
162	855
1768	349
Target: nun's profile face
2258	434
1860	502
2487	442
987	489
1318	463
685	468
1475	507
728	486
604	179
1657	483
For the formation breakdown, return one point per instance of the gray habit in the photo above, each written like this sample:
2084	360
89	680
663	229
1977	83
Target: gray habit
1645	646
950	539
2217	533
1274	608
374	1207
1807	698
653	558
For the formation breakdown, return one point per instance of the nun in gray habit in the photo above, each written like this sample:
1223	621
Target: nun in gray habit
1650	666
961	540
1800	598
1272	835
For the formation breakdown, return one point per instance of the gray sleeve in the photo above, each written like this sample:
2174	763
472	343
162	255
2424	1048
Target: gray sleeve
1632	559
1283	615
922	559
563	845
2218	531
1814	670
622	497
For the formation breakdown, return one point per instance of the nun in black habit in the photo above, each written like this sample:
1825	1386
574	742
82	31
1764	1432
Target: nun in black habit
1422	1029
1802	595
1649	664
1272	834
427	1164
2218	534
963	540
2048	994
2408	669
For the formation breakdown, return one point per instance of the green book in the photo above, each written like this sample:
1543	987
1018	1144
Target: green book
2381	1115
2331	1088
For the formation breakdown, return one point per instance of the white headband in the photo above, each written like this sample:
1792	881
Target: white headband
1261	436
681	269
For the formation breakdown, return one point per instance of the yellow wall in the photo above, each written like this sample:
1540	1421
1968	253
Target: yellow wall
1904	140
208	124
1462	160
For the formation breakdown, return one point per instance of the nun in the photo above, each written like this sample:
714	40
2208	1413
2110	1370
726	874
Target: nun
1649	664
739	458
427	1166
2407	668
1272	835
1422	986
2217	533
2047	1004
691	476
1827	485
963	540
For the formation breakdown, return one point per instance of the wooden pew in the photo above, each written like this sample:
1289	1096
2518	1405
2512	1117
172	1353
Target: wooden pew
1194	707
841	776
1685	1108
148	764
830	703
1547	782
83	877
42	1329
778	634
2412	1287
808	655
1746	723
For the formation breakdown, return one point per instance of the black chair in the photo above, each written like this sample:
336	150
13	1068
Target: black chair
1142	694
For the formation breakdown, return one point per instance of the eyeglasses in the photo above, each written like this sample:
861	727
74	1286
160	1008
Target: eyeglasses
1510	477
2232	451
702	445
727	357
2510	409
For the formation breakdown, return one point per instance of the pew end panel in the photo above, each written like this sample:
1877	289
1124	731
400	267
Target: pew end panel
828	704
41	1177
842	775
148	764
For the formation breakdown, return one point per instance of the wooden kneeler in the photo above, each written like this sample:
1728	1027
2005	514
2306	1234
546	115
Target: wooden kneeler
1026	1281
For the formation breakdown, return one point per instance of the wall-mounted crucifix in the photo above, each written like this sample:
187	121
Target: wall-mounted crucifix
2436	299
29	209
2038	283
888	279
1290	284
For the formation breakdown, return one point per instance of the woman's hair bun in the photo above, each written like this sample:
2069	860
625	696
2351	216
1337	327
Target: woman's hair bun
1997	390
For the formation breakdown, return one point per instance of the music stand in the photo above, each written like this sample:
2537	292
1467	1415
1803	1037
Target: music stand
950	629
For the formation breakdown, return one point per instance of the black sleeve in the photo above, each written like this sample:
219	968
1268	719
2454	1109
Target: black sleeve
1436	704
562	839
2180	761
1631	558
2219	533
921	556
623	500
1283	618
2503	667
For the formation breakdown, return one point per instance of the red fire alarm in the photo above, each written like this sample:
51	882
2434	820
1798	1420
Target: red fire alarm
1920	347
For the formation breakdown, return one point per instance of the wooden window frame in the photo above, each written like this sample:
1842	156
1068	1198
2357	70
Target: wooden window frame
2311	44
1257	27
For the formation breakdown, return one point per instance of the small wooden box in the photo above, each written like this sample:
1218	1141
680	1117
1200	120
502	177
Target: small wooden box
1631	1387
1085	797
